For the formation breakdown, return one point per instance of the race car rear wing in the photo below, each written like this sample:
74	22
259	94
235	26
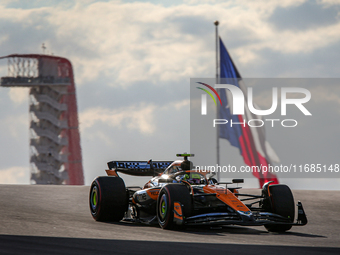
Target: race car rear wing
137	168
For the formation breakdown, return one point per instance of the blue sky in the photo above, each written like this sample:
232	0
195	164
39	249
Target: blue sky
133	62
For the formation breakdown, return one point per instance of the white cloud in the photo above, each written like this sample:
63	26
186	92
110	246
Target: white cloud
325	94
133	42
3	38
250	3
136	117
304	41
328	3
139	117
182	104
97	135
14	175
15	125
18	95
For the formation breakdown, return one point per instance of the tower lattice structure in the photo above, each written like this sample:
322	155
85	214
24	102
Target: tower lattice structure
55	152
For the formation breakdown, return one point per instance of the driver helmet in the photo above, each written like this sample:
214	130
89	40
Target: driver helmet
191	178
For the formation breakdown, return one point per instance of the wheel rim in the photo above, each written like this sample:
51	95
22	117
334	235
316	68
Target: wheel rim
163	207
94	198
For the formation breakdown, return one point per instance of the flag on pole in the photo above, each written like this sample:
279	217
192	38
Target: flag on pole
251	141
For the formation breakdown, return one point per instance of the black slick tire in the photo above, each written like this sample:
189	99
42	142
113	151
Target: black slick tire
108	199
165	204
282	203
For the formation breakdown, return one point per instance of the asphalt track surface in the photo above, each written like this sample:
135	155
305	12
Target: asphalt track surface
56	220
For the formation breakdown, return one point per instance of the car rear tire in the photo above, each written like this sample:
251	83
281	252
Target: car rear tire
282	203
165	204
108	198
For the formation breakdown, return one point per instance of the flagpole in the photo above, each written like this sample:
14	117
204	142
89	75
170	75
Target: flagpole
216	23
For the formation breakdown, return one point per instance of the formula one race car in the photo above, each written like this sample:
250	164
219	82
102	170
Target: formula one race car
176	197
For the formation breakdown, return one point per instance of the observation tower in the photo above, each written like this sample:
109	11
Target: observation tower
55	152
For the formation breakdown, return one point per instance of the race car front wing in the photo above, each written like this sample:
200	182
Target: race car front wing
244	219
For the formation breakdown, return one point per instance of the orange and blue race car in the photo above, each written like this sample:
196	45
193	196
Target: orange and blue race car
179	196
